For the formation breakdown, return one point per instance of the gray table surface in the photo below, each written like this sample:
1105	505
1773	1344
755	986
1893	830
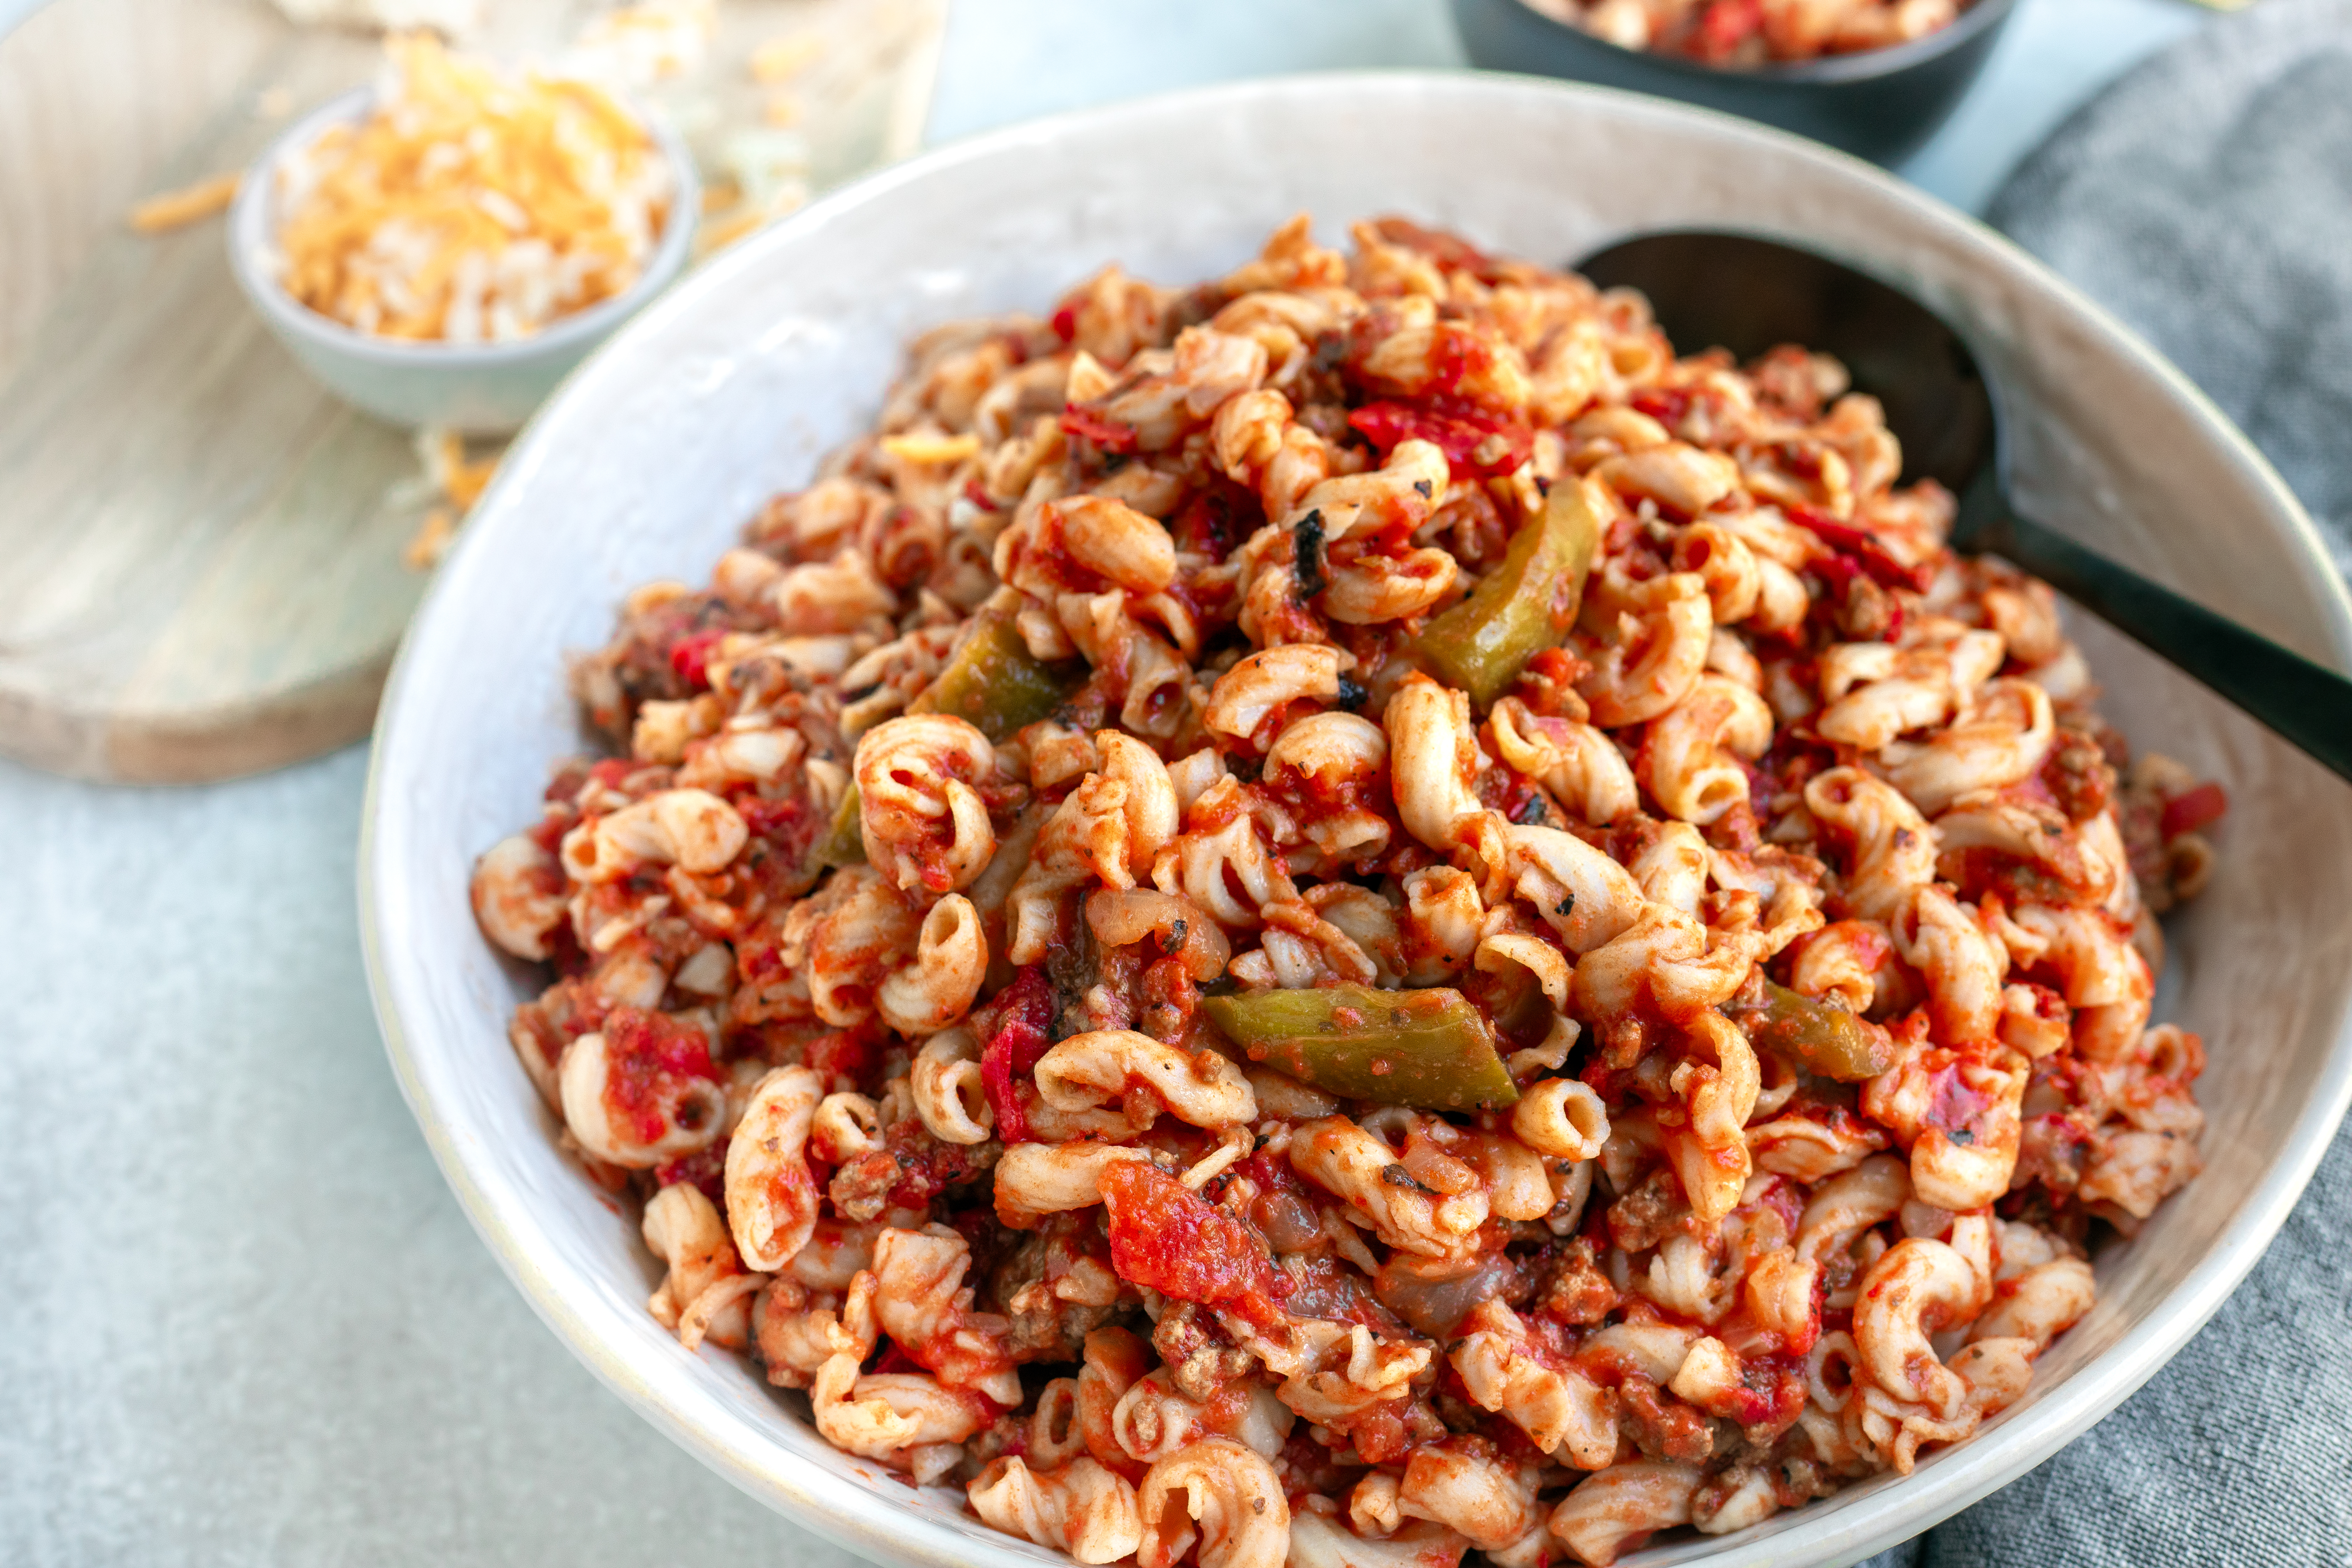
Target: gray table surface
241	1319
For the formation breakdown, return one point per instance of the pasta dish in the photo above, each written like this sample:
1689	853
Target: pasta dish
1349	915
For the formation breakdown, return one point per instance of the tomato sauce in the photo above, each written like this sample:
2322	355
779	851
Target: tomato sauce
705	1168
1772	1392
646	1054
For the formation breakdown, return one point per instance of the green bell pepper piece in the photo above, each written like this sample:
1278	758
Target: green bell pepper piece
1427	1048
995	684
844	843
1823	1037
1524	605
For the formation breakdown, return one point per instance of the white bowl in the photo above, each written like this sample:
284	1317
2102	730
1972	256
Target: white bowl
731	387
480	389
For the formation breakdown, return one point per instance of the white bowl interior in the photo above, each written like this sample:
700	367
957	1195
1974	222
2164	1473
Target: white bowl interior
731	387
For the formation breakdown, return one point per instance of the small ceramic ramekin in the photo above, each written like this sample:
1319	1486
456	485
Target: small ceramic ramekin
479	389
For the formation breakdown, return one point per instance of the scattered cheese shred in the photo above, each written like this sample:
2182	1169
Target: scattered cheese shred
175	209
918	448
470	206
459	480
431	541
726	229
780	60
746	216
648	42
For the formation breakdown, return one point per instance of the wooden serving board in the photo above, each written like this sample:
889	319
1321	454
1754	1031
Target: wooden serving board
201	550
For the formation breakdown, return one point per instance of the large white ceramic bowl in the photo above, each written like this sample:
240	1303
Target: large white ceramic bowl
731	387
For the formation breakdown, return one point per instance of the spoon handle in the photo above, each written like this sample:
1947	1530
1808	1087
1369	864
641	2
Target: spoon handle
2307	705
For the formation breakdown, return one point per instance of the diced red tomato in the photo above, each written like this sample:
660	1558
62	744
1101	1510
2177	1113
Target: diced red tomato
2194	808
844	1054
1024	1018
1503	788
690	656
1668	405
1725	24
1216	519
1095	426
1866	549
1165	1236
548	833
1477	442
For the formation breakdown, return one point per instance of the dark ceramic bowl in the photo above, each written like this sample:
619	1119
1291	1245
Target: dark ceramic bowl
1881	104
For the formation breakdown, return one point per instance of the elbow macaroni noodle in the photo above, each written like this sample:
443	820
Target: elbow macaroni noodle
1808	907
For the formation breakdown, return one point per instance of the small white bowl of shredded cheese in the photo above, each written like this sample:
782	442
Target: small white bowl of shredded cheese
442	248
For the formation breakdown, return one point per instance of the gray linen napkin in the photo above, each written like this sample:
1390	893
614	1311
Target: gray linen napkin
2207	199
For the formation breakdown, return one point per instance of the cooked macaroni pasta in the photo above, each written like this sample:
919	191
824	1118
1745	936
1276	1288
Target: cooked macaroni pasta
1148	946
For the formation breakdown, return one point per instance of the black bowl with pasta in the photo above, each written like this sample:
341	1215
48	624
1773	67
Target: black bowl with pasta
1881	104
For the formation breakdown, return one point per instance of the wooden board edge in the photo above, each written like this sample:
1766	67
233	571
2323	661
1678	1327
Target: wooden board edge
274	730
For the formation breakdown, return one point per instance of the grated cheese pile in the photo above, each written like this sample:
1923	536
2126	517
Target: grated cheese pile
470	206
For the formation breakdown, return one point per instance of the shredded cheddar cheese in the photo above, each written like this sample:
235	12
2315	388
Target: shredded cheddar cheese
920	447
175	209
470	206
648	42
431	541
461	479
780	60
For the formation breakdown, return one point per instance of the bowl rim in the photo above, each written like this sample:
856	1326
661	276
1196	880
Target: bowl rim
1861	65
1888	1513
251	238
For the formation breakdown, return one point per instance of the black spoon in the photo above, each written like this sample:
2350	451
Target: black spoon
1748	295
